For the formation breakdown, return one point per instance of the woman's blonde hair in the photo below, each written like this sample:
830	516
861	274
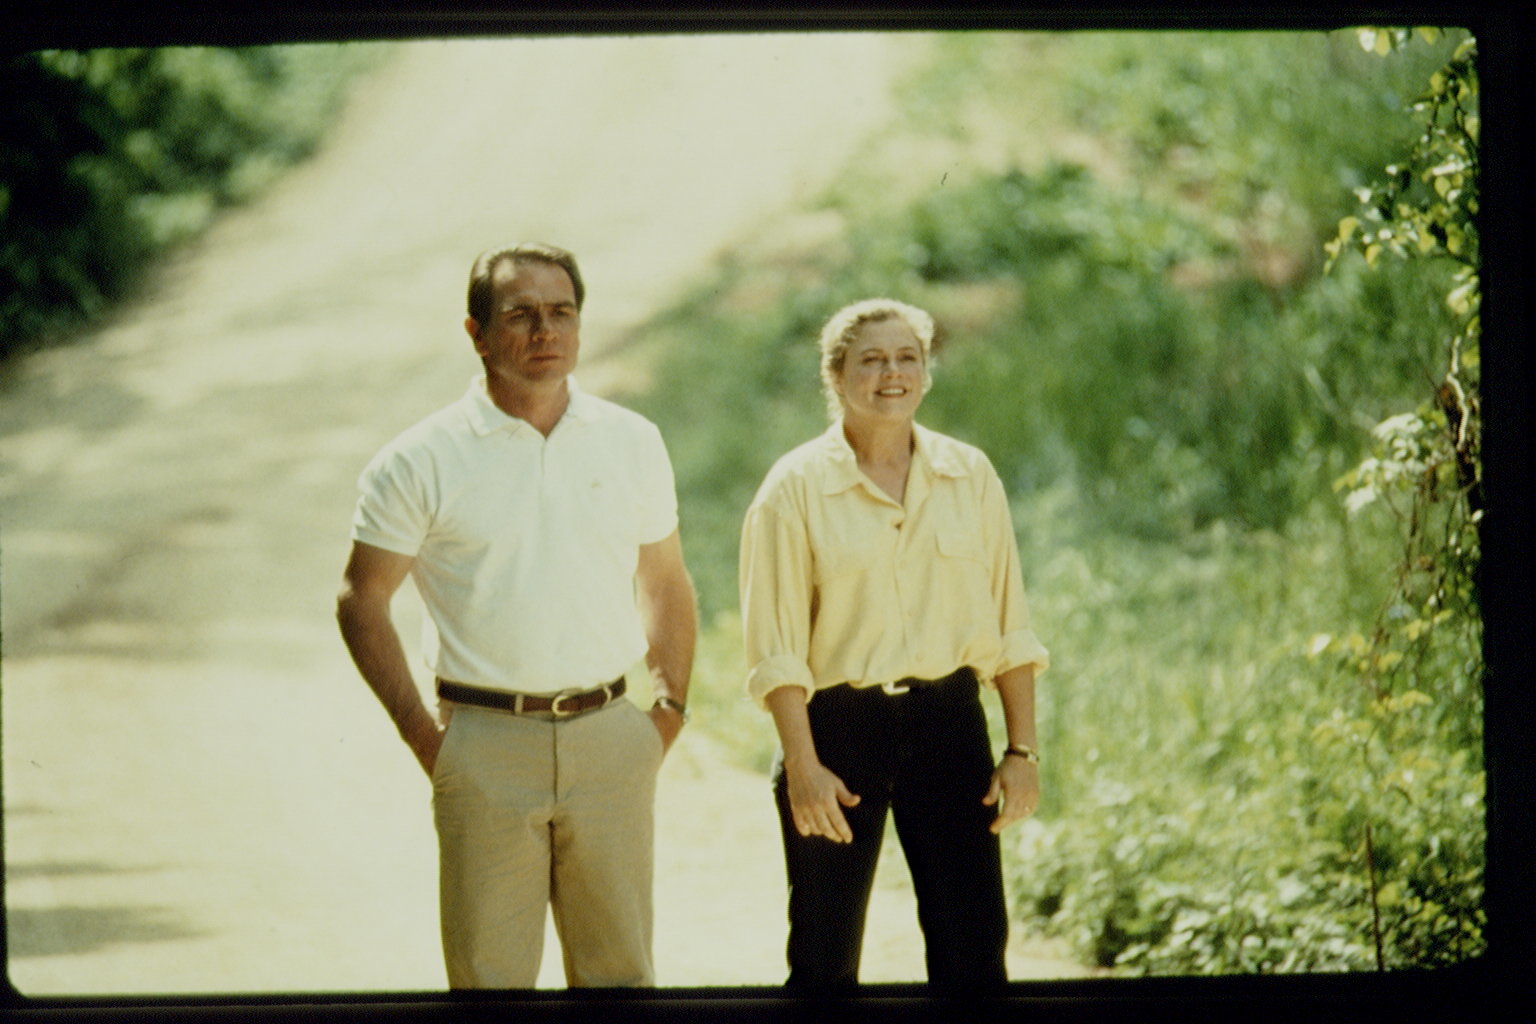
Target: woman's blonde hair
845	325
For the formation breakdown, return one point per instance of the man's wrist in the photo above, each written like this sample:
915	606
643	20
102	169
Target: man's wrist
673	705
417	722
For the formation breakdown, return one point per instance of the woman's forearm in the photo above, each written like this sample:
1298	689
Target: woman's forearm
1016	689
793	722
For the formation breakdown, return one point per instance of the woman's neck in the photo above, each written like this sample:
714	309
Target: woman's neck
884	452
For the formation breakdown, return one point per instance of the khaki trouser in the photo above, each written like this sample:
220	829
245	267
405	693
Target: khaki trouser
534	813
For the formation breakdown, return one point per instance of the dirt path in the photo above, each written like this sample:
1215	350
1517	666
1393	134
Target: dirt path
200	795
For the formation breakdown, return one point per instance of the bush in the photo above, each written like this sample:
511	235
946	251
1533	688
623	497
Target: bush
1215	799
113	156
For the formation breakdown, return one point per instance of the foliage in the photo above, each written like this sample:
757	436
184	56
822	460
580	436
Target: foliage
1104	310
1181	845
1378	863
1423	658
1260	130
112	156
1151	325
1224	830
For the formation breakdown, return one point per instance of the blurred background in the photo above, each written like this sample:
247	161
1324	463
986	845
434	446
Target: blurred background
1209	300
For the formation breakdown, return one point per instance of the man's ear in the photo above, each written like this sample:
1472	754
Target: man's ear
472	328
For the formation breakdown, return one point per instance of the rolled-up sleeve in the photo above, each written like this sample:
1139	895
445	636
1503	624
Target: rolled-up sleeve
776	587
1020	645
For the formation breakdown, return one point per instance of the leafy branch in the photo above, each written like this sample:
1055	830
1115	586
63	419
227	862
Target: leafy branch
1425	469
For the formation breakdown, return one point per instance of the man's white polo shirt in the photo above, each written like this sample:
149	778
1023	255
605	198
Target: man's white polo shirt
525	547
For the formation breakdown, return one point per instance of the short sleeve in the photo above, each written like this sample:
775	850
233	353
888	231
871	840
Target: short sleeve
658	512
393	511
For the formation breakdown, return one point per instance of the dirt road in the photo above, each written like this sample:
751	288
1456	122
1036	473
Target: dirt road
200	795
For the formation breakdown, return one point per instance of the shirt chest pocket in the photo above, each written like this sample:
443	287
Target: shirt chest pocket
961	545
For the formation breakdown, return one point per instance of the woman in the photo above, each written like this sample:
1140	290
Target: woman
881	589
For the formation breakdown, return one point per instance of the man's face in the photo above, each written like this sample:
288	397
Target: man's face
533	334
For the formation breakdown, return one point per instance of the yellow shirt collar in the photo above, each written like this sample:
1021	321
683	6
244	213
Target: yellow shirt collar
929	456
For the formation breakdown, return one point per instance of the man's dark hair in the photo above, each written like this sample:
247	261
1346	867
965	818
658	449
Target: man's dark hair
483	272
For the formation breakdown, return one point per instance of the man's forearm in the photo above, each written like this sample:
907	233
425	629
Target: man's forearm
669	615
672	628
376	650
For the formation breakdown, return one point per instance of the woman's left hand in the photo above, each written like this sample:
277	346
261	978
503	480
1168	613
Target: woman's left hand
1016	783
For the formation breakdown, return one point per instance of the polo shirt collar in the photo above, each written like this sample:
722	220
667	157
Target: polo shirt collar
486	417
928	455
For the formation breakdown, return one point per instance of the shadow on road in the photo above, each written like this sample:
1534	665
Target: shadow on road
72	930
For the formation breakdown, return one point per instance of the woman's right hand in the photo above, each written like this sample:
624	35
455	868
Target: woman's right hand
816	801
816	796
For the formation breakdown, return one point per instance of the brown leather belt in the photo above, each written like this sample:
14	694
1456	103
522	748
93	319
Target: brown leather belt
558	705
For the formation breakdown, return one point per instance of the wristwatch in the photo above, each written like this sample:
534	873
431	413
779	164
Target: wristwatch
678	706
1029	754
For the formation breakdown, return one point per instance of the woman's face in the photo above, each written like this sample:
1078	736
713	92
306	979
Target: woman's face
882	373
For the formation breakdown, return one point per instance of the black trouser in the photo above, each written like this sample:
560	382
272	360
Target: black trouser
925	756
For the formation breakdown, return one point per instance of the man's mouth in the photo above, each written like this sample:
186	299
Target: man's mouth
891	392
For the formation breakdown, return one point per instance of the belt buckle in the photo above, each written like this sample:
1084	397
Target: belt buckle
554	705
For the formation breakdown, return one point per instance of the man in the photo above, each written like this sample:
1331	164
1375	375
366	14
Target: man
539	524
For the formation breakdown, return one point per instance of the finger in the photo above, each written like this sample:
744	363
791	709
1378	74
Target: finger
829	822
993	791
1012	811
846	797
840	831
811	822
